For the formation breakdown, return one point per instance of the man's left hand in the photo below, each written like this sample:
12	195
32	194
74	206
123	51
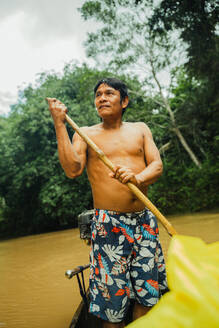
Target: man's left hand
124	175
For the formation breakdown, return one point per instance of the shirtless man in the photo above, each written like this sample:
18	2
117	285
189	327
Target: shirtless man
126	257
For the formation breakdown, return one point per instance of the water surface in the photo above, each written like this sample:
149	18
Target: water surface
34	292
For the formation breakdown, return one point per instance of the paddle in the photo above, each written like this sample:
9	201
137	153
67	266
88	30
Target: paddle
167	225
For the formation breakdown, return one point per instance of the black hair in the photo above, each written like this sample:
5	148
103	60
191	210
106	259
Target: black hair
115	84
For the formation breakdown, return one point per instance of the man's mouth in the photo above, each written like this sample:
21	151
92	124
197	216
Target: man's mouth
103	106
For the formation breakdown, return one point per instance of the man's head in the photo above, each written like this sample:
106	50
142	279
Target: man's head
115	84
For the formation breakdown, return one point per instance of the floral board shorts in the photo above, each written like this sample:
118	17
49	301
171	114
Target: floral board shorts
126	261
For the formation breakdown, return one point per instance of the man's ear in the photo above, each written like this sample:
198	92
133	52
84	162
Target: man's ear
125	102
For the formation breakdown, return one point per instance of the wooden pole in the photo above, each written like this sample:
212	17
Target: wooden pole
167	225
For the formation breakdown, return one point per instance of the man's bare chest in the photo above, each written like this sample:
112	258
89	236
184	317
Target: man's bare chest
125	143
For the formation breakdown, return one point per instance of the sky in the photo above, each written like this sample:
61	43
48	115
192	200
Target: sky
37	36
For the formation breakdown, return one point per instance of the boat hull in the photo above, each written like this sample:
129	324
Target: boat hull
83	319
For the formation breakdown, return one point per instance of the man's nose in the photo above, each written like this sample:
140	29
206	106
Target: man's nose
102	97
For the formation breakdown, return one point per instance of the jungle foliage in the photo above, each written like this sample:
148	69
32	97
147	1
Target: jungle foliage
35	194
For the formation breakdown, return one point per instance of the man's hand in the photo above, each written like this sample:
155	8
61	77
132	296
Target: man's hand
57	109
124	175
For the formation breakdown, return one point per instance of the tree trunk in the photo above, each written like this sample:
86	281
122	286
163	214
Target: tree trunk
163	148
172	117
186	146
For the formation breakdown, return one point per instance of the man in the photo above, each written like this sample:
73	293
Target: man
126	257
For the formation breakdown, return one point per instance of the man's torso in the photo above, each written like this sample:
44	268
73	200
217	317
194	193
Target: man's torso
123	146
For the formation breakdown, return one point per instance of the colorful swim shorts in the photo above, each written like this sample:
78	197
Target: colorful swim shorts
126	261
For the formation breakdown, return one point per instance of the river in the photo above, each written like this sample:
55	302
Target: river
34	292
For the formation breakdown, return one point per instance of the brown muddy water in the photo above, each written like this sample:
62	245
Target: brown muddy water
34	292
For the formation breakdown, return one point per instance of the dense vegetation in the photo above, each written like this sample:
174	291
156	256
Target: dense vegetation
35	194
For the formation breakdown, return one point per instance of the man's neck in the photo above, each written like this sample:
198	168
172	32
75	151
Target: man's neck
112	124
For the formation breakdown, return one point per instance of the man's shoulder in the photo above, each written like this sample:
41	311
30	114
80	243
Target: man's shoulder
141	127
92	129
137	125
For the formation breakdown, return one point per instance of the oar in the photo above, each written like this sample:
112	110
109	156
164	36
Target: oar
167	225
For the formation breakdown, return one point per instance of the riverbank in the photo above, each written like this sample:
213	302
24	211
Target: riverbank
67	227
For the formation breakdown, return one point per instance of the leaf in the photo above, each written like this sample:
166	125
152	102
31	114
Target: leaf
120	292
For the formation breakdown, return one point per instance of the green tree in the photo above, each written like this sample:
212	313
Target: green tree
197	23
38	197
35	194
183	188
124	42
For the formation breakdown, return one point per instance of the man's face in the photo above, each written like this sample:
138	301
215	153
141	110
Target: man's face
108	101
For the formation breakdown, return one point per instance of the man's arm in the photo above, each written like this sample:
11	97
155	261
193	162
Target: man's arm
72	156
154	164
154	167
